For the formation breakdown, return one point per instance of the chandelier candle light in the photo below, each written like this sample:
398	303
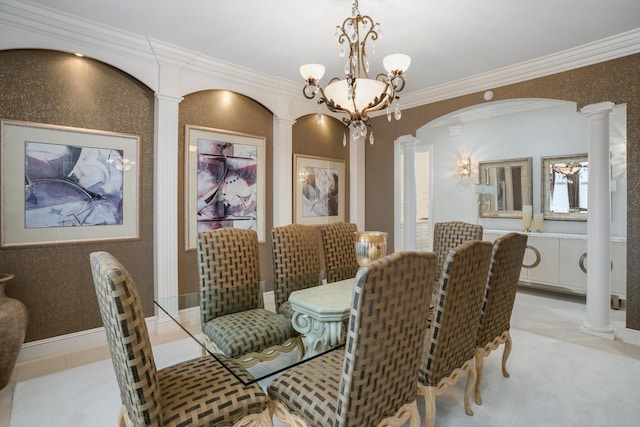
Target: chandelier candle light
357	95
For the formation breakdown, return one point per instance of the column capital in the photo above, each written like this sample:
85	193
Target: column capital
283	121
169	98
599	108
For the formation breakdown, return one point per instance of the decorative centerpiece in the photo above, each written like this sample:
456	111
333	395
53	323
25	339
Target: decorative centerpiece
527	215
13	327
370	245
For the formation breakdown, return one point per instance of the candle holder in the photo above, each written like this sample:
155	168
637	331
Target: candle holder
527	215
538	220
370	245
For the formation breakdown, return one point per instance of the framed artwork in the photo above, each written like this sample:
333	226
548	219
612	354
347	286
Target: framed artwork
62	184
319	188
224	183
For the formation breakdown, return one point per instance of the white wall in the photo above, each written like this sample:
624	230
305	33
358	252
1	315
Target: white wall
493	131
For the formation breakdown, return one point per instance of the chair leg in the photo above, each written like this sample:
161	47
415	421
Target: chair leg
123	418
429	394
471	382
505	354
479	355
408	412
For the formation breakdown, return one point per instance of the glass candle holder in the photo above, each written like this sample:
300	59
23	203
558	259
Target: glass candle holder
370	245
527	215
538	220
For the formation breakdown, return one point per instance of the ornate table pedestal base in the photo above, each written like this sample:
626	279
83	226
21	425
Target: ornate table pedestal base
321	314
318	335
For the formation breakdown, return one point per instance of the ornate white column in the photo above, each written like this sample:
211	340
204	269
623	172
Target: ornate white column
282	171
598	223
409	214
165	200
356	182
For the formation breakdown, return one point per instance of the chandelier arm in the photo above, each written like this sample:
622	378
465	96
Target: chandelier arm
304	92
377	104
331	105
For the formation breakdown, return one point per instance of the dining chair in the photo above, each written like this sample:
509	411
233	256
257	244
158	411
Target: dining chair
296	262
450	344
499	297
449	234
372	380
339	250
233	318
195	392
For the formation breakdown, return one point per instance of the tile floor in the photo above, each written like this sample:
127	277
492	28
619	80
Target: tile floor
540	312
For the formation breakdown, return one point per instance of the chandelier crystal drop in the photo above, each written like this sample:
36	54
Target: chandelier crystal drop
356	96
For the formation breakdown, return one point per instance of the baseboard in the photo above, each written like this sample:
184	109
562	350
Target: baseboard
630	336
70	342
54	346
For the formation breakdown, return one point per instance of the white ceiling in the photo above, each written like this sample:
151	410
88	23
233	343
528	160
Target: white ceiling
446	39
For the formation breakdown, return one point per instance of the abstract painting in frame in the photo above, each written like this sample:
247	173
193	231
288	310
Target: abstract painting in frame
63	184
224	183
319	187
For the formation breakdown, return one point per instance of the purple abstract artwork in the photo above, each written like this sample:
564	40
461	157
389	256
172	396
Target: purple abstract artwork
72	186
227	185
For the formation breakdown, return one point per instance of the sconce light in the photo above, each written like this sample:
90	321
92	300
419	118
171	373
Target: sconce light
464	167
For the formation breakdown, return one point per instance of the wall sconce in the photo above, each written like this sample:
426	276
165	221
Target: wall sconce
464	167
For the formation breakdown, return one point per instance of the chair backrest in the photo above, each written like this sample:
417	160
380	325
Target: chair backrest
500	293
296	256
229	268
128	339
450	234
339	250
387	325
452	337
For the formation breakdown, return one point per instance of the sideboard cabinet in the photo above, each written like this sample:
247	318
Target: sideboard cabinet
559	262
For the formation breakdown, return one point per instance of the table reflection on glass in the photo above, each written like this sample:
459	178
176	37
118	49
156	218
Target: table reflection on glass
184	310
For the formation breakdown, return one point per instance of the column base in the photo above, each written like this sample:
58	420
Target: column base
607	333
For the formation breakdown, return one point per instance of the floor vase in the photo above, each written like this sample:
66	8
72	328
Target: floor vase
13	327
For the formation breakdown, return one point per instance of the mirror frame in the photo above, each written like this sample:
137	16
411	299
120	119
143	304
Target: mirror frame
525	164
546	202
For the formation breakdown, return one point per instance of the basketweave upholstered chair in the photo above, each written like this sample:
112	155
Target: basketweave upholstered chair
296	262
372	381
448	235
197	392
500	294
451	339
339	250
234	321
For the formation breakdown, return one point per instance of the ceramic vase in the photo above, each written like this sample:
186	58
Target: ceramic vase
13	327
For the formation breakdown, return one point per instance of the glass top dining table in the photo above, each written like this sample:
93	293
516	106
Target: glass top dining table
318	312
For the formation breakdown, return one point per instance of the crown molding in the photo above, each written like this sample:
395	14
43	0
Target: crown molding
620	45
62	28
60	31
64	32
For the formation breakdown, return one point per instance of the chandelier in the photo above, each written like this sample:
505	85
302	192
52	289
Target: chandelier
357	95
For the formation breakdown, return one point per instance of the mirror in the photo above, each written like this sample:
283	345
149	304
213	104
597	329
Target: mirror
565	185
505	186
